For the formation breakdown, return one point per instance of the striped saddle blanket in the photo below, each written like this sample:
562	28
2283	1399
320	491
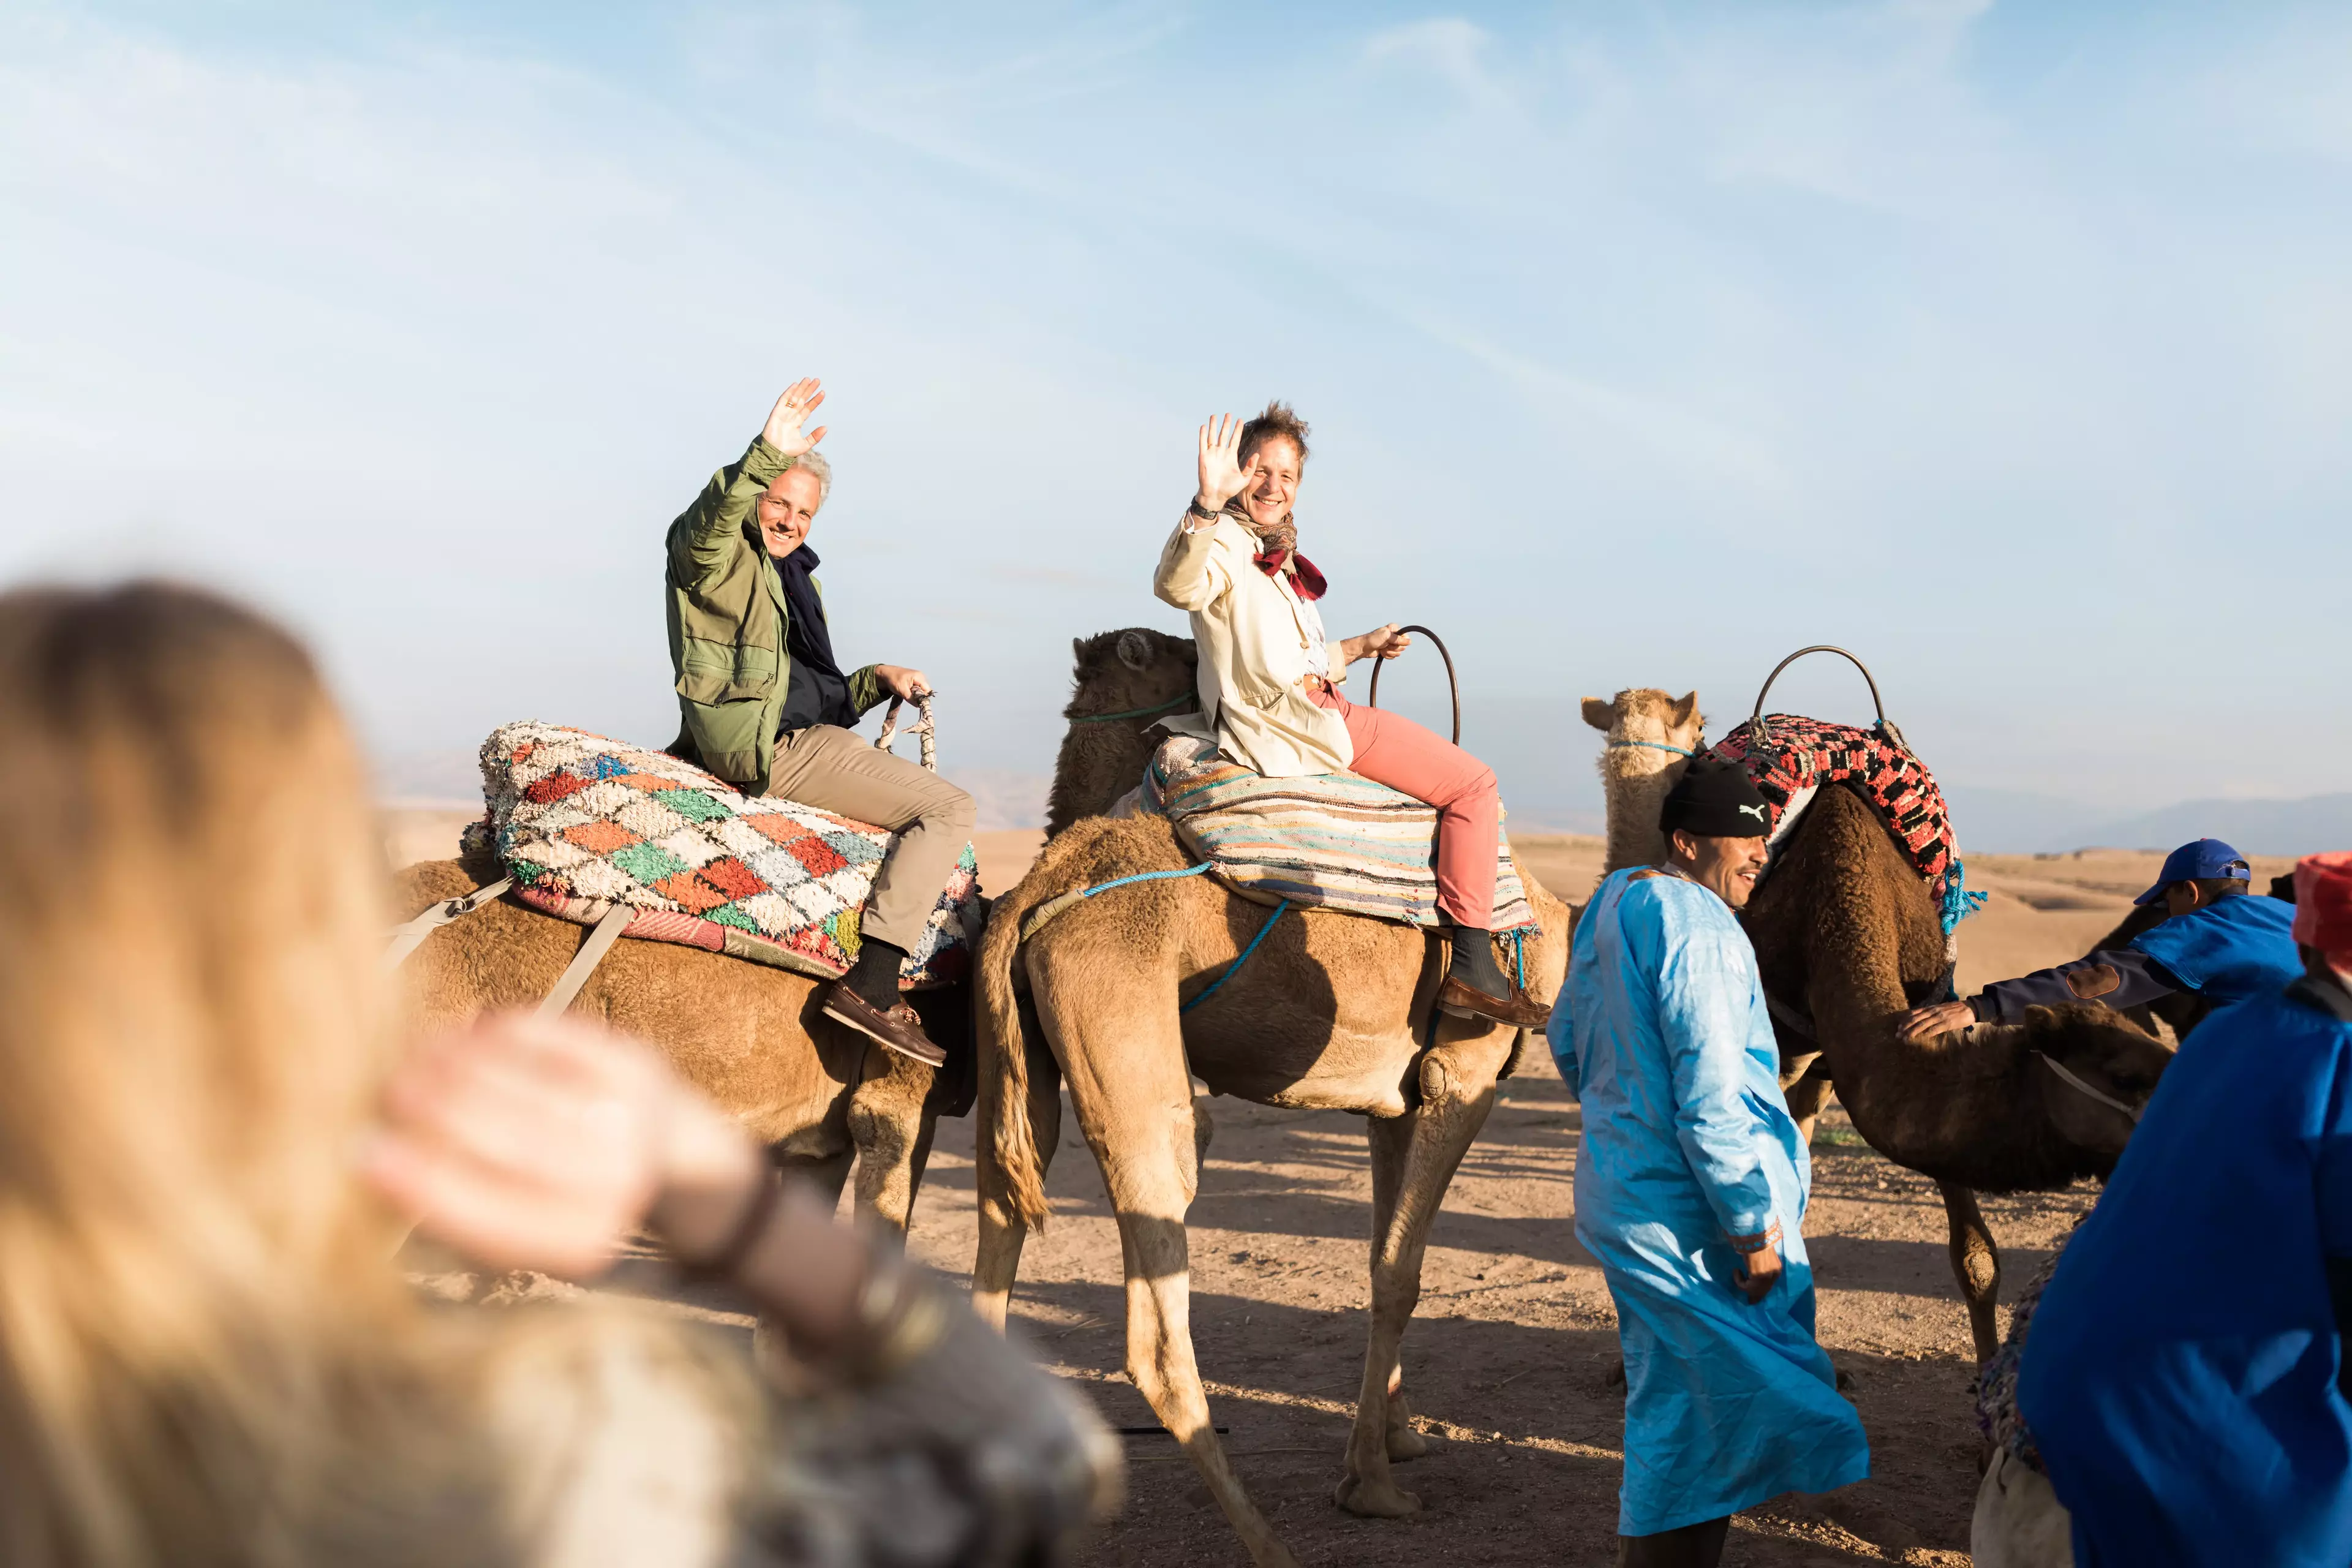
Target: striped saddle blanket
583	823
1334	841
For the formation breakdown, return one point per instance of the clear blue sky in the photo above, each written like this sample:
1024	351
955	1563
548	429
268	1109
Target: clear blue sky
2009	345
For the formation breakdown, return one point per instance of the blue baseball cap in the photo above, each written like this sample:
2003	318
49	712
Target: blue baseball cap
2205	857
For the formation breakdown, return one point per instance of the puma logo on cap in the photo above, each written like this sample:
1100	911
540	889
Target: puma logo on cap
1755	811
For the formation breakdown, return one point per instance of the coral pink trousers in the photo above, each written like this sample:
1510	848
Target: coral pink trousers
1394	751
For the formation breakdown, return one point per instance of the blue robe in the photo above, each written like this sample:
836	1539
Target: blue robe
2183	1375
1660	1033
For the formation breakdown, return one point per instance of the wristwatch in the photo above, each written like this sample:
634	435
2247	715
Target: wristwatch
1194	508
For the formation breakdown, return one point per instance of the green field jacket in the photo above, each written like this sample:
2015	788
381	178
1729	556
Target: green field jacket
727	625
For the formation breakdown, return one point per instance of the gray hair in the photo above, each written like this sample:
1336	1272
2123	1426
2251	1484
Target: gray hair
814	463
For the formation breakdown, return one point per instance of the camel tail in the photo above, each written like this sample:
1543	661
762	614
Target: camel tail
1007	1140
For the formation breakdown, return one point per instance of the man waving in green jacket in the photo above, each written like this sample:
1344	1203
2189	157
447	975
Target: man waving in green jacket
766	707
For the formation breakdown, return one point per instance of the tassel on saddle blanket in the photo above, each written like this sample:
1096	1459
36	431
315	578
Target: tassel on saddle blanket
1332	841
584	824
1799	755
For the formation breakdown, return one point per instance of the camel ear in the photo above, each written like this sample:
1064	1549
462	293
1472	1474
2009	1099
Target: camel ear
1684	712
1135	650
1599	714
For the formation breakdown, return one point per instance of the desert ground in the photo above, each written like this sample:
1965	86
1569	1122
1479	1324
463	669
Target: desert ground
1509	1357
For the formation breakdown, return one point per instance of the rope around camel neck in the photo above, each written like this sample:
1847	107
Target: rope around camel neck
1654	745
1170	706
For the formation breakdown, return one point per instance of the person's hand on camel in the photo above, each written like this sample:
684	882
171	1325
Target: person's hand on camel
907	685
1380	642
792	410
1935	1018
1223	476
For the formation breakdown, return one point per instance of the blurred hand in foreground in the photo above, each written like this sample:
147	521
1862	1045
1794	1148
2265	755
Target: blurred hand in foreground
542	1143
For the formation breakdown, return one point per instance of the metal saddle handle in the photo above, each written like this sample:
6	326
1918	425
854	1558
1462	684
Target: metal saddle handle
1372	698
1759	731
923	727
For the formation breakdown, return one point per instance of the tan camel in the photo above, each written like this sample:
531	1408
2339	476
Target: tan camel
1332	1010
749	1035
1848	940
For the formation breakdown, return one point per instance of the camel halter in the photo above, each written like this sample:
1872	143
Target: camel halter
1653	745
2072	1082
1170	706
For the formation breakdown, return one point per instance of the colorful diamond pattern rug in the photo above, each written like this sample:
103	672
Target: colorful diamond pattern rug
582	823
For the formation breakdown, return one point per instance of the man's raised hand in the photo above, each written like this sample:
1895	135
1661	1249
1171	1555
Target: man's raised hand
1222	478
792	410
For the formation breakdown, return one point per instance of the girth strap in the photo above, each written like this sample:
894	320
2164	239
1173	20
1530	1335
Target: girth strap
584	962
407	939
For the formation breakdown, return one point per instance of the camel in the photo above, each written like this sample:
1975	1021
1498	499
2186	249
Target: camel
1847	940
1332	1010
747	1034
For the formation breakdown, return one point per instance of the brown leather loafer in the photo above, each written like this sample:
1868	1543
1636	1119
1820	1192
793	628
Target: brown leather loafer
898	1030
1516	1009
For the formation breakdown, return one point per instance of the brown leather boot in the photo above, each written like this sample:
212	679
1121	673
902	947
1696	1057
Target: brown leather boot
1515	1007
1476	987
898	1029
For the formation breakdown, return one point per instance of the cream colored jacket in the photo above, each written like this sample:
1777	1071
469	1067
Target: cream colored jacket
1254	655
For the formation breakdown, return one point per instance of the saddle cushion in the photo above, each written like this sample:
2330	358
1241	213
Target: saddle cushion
1335	841
582	823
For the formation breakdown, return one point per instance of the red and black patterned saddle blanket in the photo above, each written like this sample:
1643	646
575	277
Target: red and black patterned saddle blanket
1801	754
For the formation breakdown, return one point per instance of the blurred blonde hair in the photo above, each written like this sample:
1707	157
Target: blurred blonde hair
205	1354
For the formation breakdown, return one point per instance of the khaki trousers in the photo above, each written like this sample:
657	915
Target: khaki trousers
833	770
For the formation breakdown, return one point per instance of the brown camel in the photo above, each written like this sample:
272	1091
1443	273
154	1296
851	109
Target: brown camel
1847	940
1332	1010
749	1035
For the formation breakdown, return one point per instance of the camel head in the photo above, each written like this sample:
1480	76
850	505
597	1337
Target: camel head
1122	682
1651	738
2097	1045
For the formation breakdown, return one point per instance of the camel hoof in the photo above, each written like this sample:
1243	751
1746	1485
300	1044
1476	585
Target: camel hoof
1375	1499
1404	1443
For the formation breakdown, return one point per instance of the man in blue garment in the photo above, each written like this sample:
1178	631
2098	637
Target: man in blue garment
2217	942
1691	1188
2186	1378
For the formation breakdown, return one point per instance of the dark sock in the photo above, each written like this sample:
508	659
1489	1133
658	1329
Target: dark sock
1474	961
875	976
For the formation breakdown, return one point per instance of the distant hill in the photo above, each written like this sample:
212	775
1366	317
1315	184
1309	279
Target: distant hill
2014	822
2255	827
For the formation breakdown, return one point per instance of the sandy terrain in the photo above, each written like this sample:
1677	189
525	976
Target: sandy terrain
1509	1353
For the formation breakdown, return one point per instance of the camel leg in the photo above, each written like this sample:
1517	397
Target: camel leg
891	1126
1456	1097
1976	1264
997	1261
1138	1118
828	1172
1807	1097
1390	1140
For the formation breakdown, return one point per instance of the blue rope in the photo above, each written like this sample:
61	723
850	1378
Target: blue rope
1654	745
1520	954
1237	963
1142	877
1957	903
